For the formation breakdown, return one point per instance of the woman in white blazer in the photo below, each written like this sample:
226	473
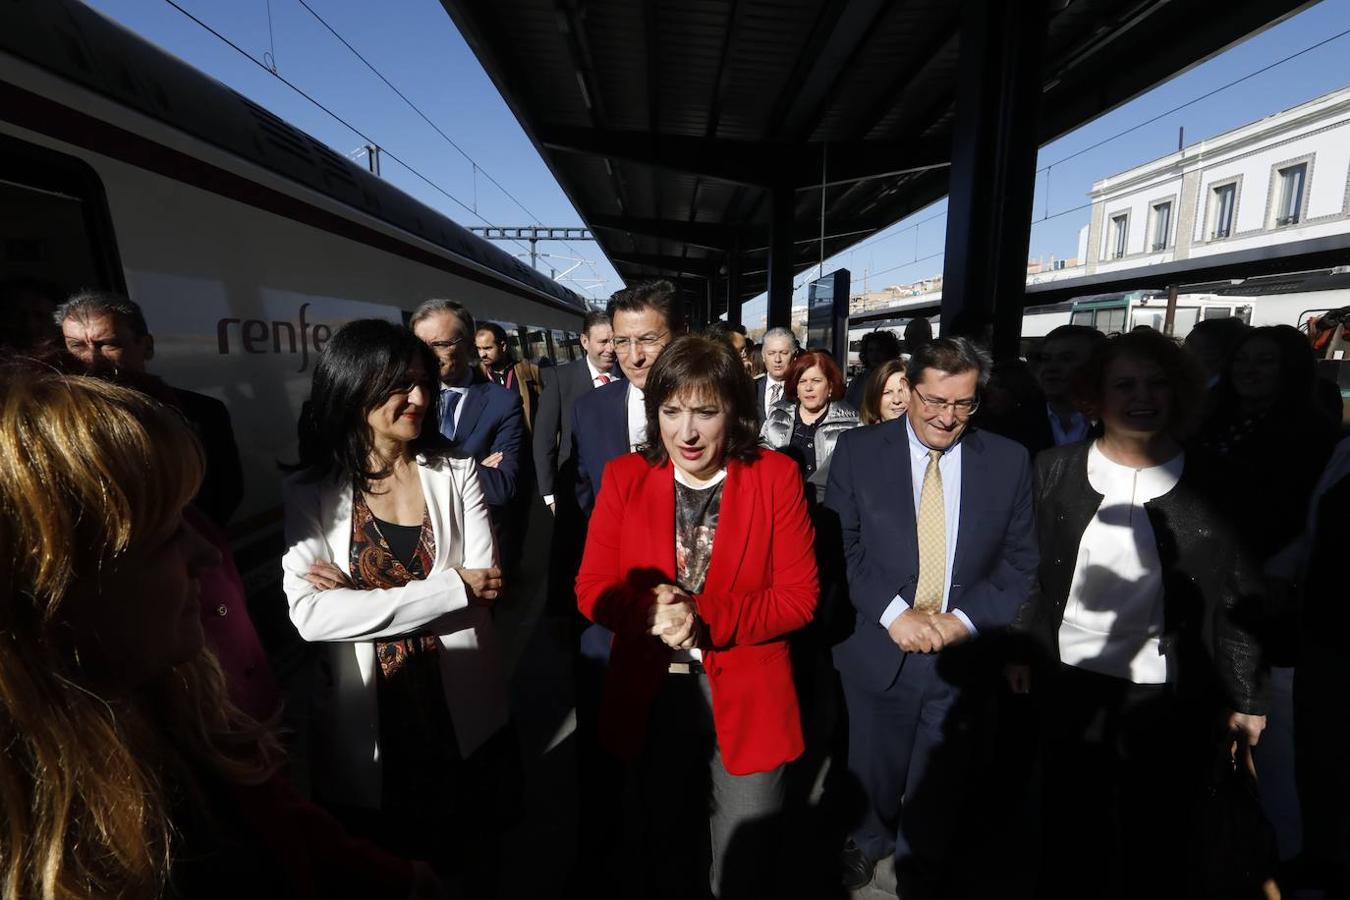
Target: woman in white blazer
391	568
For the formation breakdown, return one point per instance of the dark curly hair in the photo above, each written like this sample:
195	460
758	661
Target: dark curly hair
702	366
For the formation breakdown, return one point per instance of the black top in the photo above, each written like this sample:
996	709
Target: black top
802	447
402	540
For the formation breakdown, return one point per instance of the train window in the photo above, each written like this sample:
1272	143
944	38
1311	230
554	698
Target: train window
1082	317
55	232
537	341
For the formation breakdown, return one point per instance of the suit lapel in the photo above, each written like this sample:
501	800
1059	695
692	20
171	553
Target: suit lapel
973	485
734	522
897	485
475	399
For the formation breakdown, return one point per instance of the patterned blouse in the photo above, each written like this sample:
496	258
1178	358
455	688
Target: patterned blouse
696	512
374	566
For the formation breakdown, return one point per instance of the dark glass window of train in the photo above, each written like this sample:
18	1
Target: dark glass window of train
55	231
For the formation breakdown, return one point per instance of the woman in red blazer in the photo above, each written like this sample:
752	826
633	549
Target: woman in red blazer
700	559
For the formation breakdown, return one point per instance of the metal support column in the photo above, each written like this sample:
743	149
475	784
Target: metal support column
994	146
782	206
734	285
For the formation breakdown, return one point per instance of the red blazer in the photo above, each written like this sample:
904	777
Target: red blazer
761	585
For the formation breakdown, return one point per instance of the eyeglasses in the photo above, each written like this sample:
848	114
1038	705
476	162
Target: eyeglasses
445	345
647	342
962	408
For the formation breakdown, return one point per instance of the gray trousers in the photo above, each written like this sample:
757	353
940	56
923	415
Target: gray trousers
694	828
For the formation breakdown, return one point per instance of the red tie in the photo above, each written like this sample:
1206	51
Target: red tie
602	378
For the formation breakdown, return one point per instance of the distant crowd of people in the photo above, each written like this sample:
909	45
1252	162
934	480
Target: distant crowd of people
1058	627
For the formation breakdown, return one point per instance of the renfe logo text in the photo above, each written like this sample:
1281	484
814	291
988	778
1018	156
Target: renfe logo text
258	336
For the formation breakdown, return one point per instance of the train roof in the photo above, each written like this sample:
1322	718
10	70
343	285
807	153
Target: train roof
71	40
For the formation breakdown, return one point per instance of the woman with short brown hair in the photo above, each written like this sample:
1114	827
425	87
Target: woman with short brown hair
699	558
1142	583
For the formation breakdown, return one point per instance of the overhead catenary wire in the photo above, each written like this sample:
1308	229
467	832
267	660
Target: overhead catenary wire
290	84
477	167
1205	96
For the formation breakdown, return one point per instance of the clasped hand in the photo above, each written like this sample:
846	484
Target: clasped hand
673	618
921	632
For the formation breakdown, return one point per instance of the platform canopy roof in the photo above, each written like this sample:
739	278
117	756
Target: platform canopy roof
667	122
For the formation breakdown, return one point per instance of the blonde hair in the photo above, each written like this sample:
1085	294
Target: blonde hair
88	471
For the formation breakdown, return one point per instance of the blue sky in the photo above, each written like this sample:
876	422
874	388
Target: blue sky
416	46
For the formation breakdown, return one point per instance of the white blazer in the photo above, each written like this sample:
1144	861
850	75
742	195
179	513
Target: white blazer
348	622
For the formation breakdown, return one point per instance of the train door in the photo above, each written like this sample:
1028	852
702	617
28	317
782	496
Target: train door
56	236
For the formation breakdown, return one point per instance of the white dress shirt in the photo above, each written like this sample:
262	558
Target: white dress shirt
1113	620
1079	425
596	373
637	418
949	467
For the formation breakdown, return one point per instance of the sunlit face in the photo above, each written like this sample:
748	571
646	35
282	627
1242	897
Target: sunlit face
1256	370
741	345
1054	366
445	334
778	354
1136	398
599	346
894	397
398	418
137	619
639	338
813	390
105	345
939	406
694	433
490	352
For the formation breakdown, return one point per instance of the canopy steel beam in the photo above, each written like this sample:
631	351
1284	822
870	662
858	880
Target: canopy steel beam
674	265
992	179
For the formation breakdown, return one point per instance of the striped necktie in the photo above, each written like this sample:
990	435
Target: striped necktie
449	403
932	532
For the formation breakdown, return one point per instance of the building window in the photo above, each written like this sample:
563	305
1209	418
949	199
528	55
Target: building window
1291	194
1120	228
1225	201
1162	225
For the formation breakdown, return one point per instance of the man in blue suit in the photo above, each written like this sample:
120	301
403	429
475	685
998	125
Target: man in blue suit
937	527
610	420
481	419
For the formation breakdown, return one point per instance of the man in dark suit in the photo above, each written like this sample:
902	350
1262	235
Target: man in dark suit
937	529
1055	363
610	420
108	335
780	349
498	364
554	467
481	419
563	386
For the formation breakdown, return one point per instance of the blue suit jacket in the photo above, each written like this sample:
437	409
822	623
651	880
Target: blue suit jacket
599	434
995	563
492	419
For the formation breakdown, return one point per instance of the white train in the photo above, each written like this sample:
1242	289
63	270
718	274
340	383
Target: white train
1269	300
246	241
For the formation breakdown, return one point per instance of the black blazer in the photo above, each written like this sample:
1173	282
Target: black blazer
563	385
223	483
1209	584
